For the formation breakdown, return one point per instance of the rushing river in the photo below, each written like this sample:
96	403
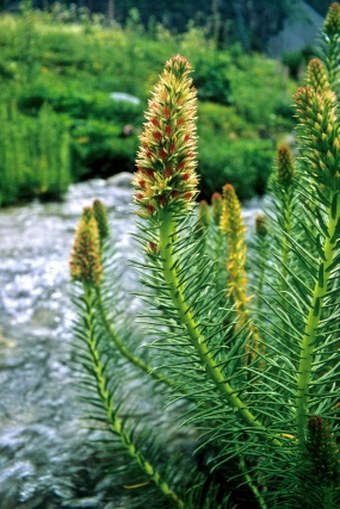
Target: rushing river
46	452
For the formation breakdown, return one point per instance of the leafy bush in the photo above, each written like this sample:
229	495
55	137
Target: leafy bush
258	87
296	61
230	151
103	130
102	149
246	164
212	82
79	105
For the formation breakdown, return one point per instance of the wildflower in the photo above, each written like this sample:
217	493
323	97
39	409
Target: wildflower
166	161
216	204
100	215
285	170
317	76
232	225
260	225
332	22
204	213
85	263
320	128
322	451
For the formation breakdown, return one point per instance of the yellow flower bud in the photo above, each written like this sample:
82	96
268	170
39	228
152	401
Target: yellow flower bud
285	170
85	263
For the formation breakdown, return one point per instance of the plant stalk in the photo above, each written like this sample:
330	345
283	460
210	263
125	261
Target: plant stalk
124	350
167	234
116	424
308	340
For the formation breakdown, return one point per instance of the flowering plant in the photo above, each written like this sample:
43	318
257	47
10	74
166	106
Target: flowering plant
241	359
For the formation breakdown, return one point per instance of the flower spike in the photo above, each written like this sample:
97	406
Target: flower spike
319	125
216	205
166	161
85	263
317	76
100	213
232	225
285	170
332	22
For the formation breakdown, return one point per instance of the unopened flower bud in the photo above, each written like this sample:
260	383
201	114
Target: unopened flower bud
332	22
204	213
285	170
100	214
317	76
85	263
232	225
260	225
319	125
216	204
231	218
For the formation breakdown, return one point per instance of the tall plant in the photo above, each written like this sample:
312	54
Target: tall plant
250	380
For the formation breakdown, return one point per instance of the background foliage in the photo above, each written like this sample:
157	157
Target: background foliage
75	67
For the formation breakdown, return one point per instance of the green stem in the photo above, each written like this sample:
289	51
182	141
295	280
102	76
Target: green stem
262	271
116	424
252	486
308	339
285	194
124	350
286	207
166	245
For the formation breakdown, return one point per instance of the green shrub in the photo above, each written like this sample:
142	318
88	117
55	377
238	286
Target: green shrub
246	164
258	87
79	105
103	130
212	82
231	151
101	149
74	68
34	155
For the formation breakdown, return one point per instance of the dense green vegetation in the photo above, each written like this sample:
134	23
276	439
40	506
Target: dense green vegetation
71	69
250	22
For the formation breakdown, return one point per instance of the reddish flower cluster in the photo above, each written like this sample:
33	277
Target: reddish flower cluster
166	161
